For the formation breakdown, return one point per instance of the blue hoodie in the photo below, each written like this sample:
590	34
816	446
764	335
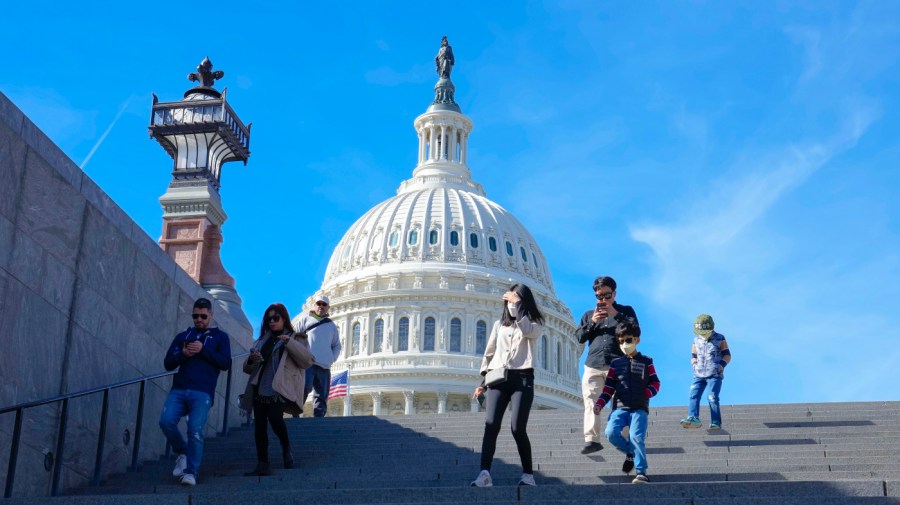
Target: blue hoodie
201	371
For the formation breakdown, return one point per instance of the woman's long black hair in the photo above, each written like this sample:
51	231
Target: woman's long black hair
527	306
282	311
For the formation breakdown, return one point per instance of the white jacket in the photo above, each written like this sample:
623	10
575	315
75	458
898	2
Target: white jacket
513	343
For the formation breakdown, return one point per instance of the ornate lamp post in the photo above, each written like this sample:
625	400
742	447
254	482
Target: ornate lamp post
201	132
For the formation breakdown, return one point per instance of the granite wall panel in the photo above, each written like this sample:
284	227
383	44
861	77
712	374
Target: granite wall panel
154	302
54	156
58	284
41	272
108	265
10	115
35	343
7	235
12	166
150	248
27	262
51	210
108	208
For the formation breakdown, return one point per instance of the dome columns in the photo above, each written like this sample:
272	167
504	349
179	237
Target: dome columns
443	140
410	407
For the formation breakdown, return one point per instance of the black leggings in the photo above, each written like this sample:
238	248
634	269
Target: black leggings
273	413
518	390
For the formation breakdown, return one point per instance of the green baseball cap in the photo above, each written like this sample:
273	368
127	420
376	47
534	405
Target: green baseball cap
704	325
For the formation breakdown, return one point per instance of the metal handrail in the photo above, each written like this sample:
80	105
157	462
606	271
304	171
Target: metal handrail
63	419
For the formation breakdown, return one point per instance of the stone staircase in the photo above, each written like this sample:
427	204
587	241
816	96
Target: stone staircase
815	454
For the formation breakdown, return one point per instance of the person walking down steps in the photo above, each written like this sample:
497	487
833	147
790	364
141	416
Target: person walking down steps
509	379
276	366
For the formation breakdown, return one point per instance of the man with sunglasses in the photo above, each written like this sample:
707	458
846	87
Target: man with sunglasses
199	353
598	331
325	345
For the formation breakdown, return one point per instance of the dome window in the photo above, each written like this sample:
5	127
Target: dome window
509	249
433	237
524	256
454	238
403	334
559	358
473	240
534	258
379	336
428	341
492	243
413	237
393	239
455	335
543	351
480	337
356	336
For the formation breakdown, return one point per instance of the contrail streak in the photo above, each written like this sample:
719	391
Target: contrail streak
108	129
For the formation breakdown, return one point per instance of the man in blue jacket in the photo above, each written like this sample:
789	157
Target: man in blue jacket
199	353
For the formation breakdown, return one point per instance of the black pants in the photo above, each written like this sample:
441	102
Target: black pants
271	413
518	390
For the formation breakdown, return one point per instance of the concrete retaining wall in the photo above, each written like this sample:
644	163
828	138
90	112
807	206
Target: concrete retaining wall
87	299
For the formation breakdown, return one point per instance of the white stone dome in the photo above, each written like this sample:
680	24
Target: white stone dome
439	227
416	285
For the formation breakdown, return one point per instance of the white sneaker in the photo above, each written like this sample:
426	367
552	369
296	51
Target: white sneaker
188	480
180	465
483	479
527	480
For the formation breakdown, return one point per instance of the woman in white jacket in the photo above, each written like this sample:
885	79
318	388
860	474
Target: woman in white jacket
510	347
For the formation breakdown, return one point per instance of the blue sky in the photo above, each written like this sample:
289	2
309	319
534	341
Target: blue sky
734	158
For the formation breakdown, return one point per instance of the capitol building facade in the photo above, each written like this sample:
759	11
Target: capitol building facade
416	285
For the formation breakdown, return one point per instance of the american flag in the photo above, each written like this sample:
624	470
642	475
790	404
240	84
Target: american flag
339	385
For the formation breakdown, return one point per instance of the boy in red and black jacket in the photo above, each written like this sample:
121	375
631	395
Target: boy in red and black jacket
632	379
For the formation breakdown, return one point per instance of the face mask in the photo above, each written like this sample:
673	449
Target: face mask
513	309
628	348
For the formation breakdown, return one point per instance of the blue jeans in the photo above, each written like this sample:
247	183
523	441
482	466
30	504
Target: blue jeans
195	405
697	388
636	420
318	379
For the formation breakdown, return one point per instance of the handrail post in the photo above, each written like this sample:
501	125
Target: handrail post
13	454
101	439
60	446
138	424
224	431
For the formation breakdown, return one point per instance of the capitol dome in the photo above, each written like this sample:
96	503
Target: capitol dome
416	285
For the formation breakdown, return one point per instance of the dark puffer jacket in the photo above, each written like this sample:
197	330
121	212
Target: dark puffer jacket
633	381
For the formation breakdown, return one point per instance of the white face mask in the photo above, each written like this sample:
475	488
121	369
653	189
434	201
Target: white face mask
513	309
628	348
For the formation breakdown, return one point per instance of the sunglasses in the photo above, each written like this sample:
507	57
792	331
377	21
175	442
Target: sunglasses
200	316
627	340
273	319
605	296
321	304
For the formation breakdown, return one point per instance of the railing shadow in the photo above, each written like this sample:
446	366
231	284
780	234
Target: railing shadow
54	459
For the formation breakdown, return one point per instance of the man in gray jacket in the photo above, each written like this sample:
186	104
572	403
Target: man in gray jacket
325	344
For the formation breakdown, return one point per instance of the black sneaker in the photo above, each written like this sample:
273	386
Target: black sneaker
640	479
628	465
591	447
